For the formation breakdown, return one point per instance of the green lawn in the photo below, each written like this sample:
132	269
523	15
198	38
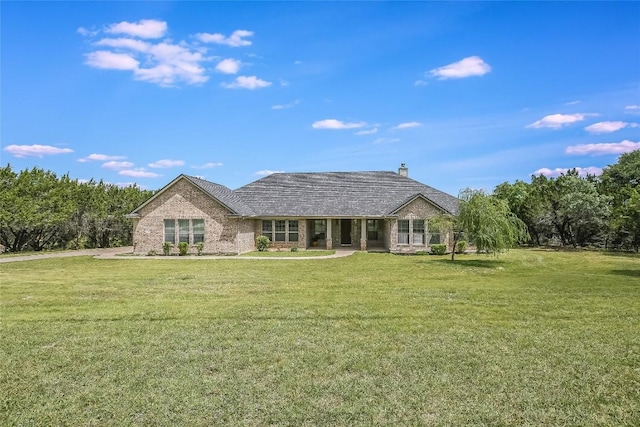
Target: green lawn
288	253
530	338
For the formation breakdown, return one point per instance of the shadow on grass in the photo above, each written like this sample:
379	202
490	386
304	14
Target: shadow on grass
475	263
629	273
622	254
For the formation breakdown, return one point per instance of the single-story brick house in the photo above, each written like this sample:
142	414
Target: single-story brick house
363	210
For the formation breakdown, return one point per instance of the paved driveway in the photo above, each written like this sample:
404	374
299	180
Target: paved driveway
112	253
107	253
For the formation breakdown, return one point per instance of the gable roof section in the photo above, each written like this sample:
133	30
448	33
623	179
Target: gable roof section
412	199
222	194
219	193
338	194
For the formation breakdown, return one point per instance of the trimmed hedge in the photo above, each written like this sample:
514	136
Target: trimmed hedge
439	249
262	243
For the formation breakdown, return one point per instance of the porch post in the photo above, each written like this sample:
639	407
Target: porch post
328	237
363	234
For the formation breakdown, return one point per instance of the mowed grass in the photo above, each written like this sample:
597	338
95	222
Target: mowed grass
529	338
289	254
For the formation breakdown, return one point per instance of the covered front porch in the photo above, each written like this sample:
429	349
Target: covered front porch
356	233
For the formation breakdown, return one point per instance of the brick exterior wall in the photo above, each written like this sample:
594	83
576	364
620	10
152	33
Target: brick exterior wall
222	234
418	209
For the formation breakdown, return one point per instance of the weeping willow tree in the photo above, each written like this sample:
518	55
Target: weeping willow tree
486	221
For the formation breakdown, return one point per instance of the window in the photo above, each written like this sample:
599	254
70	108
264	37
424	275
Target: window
434	238
280	230
403	231
293	230
320	229
170	231
418	231
183	230
198	230
267	229
189	230
372	229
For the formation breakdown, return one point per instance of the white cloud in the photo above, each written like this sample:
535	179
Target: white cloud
117	165
608	127
139	173
286	106
166	163
244	82
236	39
35	150
145	28
125	43
592	170
100	158
557	121
266	172
173	63
209	165
87	33
467	67
366	132
228	66
407	125
336	124
420	83
163	63
111	60
625	146
572	103
632	109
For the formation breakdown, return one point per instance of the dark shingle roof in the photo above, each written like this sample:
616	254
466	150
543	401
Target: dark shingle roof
224	195
337	194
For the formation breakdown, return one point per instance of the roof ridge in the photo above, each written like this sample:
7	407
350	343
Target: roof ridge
228	197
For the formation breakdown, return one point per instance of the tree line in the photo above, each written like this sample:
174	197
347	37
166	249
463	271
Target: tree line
594	211
39	210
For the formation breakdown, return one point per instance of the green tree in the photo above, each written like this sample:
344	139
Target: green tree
38	210
583	210
621	182
525	202
485	220
572	208
106	224
35	207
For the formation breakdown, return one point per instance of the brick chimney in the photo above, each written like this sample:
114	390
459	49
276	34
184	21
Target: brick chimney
403	170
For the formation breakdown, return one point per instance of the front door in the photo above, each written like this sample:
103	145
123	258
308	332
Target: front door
345	231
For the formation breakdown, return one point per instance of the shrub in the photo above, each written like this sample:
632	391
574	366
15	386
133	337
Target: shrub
152	252
200	247
166	248
183	248
262	243
294	249
461	246
439	249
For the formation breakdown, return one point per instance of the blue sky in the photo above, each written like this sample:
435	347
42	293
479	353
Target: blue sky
466	94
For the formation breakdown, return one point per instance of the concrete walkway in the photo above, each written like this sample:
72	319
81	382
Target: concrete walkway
116	253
